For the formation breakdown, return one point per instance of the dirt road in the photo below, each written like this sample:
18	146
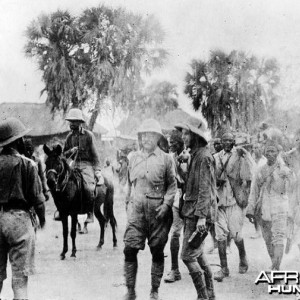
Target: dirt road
99	274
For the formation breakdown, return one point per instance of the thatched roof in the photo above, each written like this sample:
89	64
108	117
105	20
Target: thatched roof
39	118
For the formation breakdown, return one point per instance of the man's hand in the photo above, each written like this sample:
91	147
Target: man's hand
100	178
184	157
162	210
241	151
201	225
251	218
74	149
46	195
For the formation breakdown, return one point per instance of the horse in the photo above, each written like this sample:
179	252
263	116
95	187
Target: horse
65	184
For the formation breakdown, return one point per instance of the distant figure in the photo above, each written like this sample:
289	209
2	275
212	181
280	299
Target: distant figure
29	153
123	173
109	170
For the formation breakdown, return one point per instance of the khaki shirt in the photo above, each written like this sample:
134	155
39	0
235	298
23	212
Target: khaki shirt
19	180
86	143
153	175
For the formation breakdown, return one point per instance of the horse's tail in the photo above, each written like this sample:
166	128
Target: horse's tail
108	208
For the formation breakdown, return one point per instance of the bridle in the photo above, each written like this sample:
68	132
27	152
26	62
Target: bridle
57	174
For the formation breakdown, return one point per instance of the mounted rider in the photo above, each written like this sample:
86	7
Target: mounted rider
80	145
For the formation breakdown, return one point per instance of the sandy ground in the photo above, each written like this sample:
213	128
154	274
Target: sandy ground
99	274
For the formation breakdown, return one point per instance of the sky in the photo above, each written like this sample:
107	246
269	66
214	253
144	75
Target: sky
193	28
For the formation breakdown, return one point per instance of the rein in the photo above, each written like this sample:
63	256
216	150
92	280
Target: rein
57	175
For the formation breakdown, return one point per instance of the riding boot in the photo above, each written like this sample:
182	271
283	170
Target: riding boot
207	276
224	272
243	266
130	270
278	253
199	284
157	270
174	274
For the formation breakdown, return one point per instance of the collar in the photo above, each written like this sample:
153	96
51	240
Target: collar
81	131
156	152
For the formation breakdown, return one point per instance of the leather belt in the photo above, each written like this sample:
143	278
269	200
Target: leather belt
10	206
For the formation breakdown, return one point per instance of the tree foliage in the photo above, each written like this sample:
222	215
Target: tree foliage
233	91
101	53
156	100
153	101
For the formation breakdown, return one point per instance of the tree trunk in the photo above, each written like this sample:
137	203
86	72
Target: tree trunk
95	114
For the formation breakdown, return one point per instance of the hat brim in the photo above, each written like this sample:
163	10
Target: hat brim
193	129
14	138
70	119
159	133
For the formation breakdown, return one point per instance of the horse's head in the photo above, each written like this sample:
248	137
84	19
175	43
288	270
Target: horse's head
54	165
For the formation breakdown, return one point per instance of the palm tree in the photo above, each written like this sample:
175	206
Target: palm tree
51	39
102	53
234	91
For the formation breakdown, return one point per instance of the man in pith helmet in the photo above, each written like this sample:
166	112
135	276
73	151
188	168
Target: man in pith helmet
153	188
81	145
20	191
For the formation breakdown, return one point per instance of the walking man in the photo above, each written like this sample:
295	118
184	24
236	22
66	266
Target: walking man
20	190
81	145
231	213
176	147
153	187
199	200
269	203
29	153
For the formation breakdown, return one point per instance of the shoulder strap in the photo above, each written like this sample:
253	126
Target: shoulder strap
225	164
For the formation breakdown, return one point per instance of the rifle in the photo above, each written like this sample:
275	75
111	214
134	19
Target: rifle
290	233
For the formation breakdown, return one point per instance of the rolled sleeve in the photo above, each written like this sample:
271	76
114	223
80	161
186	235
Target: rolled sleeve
171	182
204	196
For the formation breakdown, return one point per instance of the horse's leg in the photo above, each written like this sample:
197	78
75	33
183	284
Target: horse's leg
73	234
101	220
113	222
64	221
113	228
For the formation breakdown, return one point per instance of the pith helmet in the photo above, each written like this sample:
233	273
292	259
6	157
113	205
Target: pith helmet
150	125
199	130
10	130
75	114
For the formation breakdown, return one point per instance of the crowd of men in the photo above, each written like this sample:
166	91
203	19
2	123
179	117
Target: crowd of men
216	189
183	185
